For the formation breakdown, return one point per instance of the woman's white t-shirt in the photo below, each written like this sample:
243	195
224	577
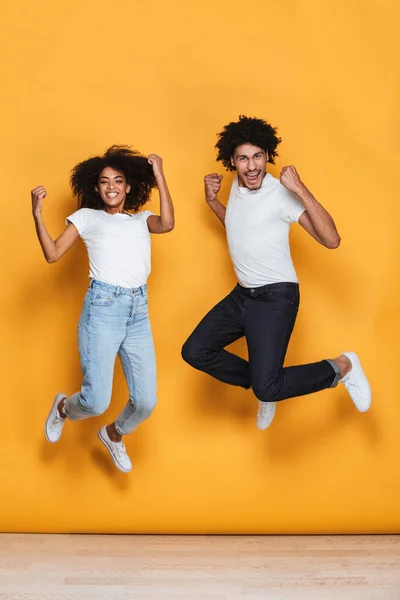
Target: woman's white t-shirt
118	245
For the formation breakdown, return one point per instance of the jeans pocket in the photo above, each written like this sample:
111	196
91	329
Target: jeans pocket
103	298
288	296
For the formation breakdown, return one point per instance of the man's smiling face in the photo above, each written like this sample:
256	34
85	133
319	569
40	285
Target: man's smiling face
250	163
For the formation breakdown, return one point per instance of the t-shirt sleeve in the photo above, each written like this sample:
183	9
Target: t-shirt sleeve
290	207
146	214
80	220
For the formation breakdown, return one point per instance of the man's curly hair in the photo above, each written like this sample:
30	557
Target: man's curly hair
134	166
247	130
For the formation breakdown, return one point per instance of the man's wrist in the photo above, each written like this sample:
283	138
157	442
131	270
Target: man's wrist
303	193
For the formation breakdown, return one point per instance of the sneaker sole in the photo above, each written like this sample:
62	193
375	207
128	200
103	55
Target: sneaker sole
52	412
116	463
271	418
355	361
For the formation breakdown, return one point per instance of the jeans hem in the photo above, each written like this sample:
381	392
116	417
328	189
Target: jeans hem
337	372
65	409
118	429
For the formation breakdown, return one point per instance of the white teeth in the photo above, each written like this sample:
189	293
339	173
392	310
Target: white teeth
112	195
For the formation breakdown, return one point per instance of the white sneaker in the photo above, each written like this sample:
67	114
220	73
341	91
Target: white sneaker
266	413
117	451
55	423
357	384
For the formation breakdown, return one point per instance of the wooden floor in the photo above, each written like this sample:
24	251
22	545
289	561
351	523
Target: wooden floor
100	567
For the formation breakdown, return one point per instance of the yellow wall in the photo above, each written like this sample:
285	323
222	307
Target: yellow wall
79	76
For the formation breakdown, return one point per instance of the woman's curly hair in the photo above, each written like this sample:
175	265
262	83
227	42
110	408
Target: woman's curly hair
247	130
134	166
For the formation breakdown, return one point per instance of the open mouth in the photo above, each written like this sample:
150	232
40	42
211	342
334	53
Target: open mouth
112	194
251	178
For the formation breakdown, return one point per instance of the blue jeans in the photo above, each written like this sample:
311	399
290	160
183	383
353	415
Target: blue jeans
115	320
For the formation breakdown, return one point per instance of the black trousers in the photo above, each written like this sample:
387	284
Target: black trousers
265	316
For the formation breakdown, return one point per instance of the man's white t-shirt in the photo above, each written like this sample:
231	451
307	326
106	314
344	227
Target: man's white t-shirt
118	245
257	226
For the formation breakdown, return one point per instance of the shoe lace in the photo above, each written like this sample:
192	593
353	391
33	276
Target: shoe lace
353	386
58	419
121	450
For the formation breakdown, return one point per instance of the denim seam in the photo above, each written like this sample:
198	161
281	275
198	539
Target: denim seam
89	342
131	403
132	399
87	373
290	326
